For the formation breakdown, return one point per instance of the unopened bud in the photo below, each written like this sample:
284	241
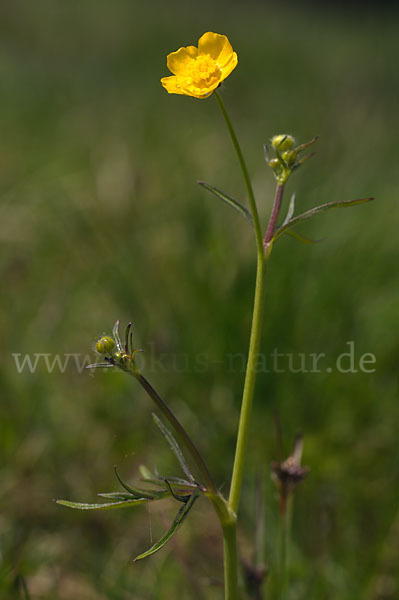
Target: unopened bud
274	163
289	157
283	142
105	345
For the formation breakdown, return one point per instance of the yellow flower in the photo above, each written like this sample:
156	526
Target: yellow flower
198	71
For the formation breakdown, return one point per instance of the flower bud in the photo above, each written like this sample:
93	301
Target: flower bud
283	142
289	157
274	163
105	345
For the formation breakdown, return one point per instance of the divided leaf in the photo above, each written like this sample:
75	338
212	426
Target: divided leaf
177	522
244	212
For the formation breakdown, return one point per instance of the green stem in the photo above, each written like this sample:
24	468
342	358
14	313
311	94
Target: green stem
249	387
229	533
178	427
247	180
230	561
285	527
254	344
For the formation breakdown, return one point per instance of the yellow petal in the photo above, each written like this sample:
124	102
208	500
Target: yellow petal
217	46
171	85
177	61
228	68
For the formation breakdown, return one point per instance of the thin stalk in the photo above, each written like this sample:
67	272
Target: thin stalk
247	180
230	532
285	528
178	427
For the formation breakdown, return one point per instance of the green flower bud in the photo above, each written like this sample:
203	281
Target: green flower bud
105	345
283	142
274	163
121	358
289	157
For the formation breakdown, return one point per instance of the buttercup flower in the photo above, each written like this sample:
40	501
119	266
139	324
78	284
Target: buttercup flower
198	71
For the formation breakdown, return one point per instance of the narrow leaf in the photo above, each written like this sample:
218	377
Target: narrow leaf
291	208
244	212
116	495
174	446
175	482
316	210
115	333
178	497
178	520
119	504
146	473
307	144
134	491
303	160
300	237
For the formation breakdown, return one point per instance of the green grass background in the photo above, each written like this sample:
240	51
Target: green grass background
101	218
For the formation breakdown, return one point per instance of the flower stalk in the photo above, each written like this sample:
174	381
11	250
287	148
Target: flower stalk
230	534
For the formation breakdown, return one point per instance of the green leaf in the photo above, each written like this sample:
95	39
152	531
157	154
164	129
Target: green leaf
291	208
244	212
177	522
146	473
116	495
176	482
119	504
316	210
174	446
139	493
300	238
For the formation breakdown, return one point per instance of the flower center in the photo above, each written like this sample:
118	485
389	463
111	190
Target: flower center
203	72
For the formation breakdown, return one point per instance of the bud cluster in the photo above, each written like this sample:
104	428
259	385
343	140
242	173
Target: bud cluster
286	157
115	353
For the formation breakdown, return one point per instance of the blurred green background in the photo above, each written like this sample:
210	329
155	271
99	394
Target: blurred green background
101	218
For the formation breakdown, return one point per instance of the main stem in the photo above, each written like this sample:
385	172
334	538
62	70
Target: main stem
249	387
230	529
